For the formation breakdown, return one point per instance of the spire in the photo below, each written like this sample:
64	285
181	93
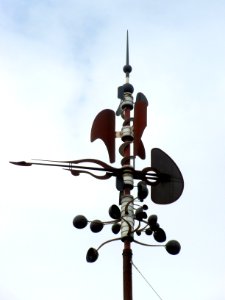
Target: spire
127	88
127	68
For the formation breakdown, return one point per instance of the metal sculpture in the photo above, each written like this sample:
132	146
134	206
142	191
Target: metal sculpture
163	176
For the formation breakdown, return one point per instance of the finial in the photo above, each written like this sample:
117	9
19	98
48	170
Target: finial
127	88
127	68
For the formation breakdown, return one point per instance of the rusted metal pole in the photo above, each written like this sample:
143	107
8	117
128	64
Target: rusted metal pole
127	252
127	271
127	223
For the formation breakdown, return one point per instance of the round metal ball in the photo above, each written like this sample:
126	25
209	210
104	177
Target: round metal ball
145	207
160	235
152	220
80	222
114	212
154	227
116	228
173	247
140	214
142	190
128	88
127	69
148	231
96	226
92	255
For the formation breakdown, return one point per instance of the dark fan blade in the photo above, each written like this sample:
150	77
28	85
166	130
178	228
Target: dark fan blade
140	122
171	183
103	128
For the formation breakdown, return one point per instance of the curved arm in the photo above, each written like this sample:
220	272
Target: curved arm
143	244
126	207
77	173
112	240
130	231
137	228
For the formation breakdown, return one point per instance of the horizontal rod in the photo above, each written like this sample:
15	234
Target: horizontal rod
114	171
71	166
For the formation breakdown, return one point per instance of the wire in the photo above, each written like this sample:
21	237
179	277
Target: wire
146	281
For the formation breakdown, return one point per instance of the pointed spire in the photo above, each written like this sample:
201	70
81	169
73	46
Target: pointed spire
127	68
127	87
127	54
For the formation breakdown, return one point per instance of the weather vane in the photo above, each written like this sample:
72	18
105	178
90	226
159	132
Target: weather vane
129	217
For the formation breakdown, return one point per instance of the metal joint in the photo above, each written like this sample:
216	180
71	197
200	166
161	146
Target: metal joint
127	133
128	101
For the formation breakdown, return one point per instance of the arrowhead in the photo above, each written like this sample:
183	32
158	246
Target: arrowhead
21	163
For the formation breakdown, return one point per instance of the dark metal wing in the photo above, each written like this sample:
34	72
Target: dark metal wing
171	183
103	128
140	122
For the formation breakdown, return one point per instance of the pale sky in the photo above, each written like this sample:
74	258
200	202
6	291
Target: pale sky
60	64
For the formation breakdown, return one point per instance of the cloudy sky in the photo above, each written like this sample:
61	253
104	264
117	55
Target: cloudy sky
60	64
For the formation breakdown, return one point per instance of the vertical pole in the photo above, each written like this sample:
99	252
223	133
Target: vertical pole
127	200
127	271
127	252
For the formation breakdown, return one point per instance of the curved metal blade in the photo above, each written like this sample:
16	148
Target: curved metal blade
171	183
140	122
103	128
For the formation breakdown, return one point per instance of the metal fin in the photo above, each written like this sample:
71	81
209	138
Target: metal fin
103	128
171	183
140	122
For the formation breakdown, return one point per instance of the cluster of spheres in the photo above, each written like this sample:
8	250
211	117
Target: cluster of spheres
145	224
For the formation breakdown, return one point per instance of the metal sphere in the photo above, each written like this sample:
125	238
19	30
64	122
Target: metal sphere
152	222
148	231
128	88
155	227
160	235
127	69
142	190
116	228
92	255
140	214
114	212
173	247
96	226
80	222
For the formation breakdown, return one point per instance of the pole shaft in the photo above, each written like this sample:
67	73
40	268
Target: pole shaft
127	271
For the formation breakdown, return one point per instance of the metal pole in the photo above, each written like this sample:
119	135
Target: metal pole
127	252
128	216
127	271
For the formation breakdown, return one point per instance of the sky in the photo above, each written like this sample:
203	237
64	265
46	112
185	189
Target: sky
60	65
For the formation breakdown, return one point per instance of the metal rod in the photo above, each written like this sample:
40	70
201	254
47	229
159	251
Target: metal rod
127	52
75	166
127	252
127	271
